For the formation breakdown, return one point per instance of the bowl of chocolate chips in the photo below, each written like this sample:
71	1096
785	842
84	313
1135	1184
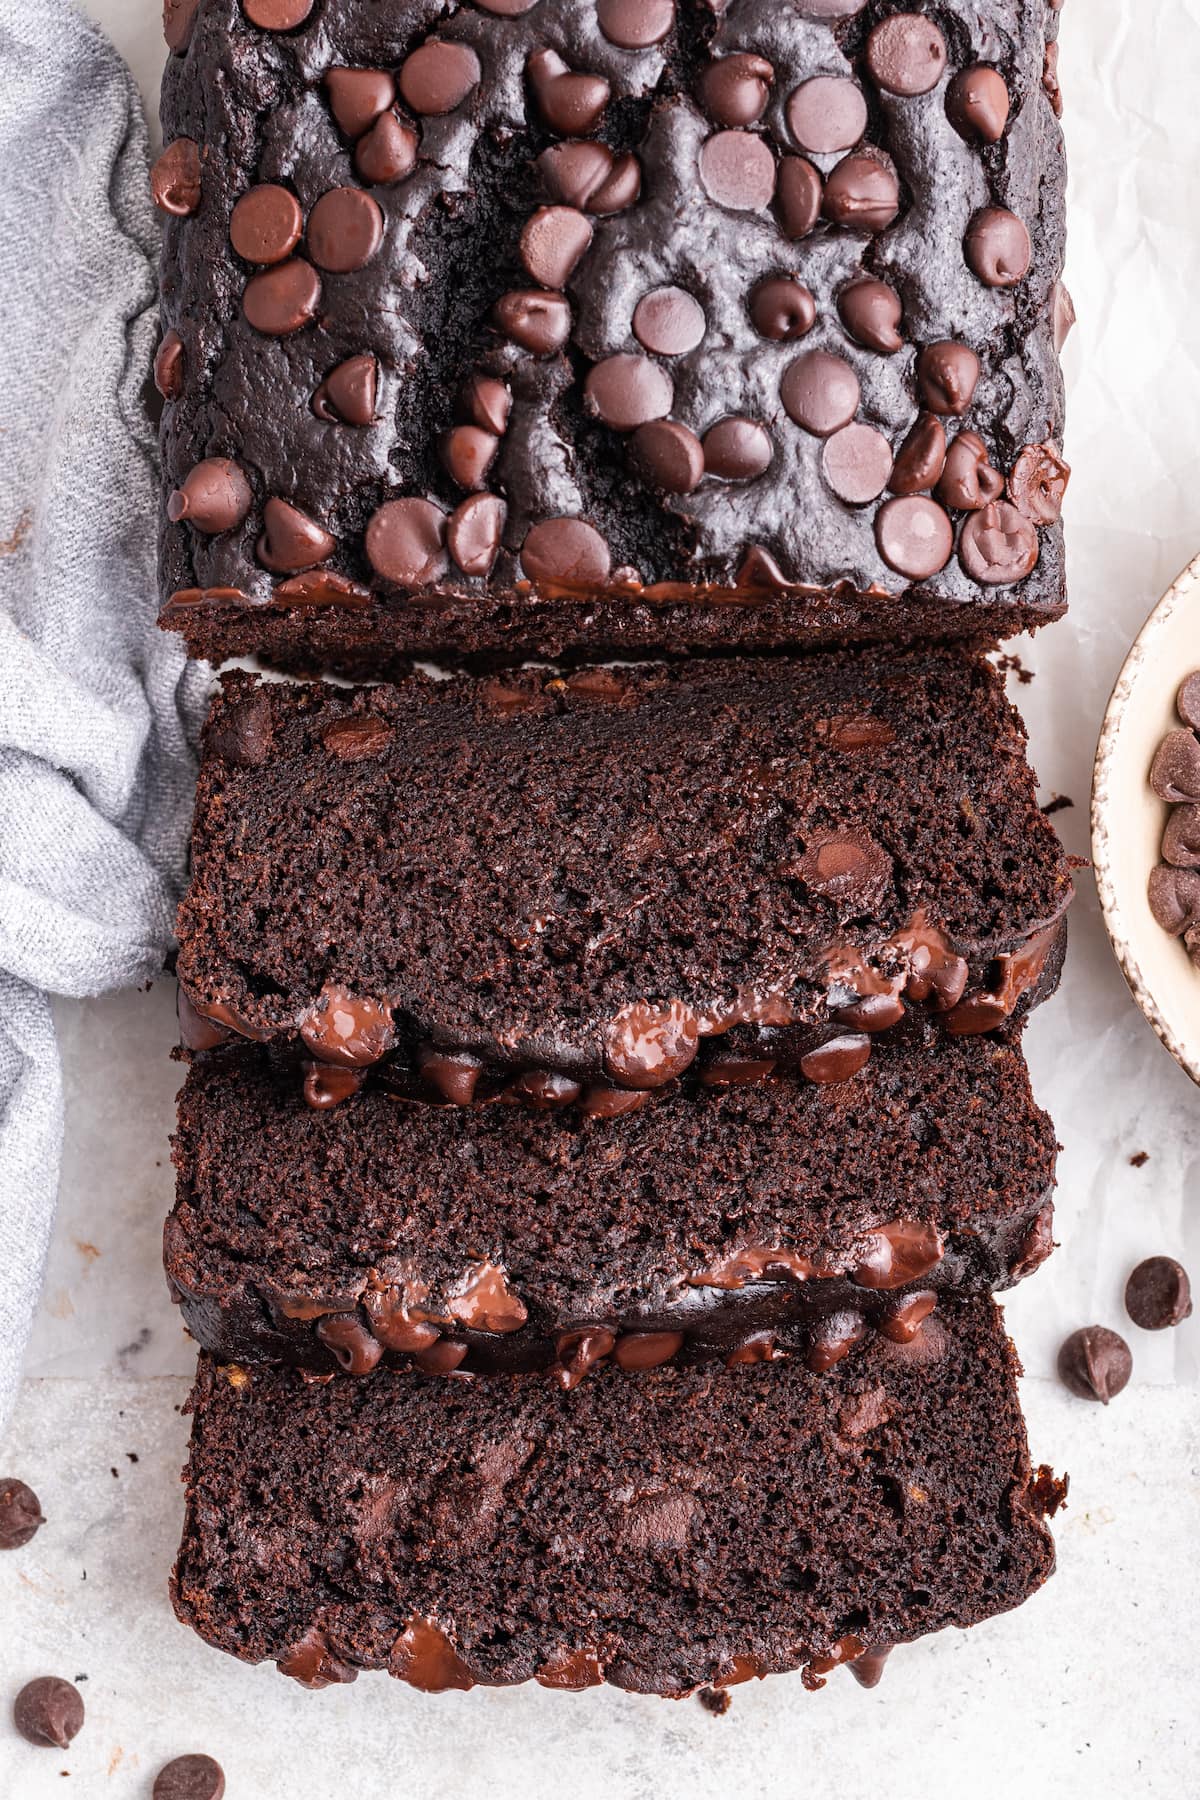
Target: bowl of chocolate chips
1146	819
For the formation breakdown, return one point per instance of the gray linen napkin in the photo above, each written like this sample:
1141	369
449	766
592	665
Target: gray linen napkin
96	705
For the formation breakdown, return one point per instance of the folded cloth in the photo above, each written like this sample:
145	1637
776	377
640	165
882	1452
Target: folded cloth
96	706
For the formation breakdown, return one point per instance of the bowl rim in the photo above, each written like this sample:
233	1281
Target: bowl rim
1184	588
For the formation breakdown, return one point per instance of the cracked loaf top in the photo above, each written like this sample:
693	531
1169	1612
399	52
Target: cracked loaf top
533	326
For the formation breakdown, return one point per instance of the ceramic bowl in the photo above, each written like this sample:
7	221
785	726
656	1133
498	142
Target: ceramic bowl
1128	819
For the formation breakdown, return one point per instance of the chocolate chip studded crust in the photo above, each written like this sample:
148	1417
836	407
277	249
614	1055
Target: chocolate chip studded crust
608	877
490	310
688	1527
791	1213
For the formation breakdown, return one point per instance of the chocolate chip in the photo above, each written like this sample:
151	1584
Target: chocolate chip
483	400
798	196
474	533
346	1028
782	309
553	240
1174	896
345	230
734	90
914	536
326	1087
871	312
977	104
997	545
351	1343
405	542
846	866
827	113
179	16
265	224
168	366
467	453
1062	309
569	102
214	496
861	193
357	97
1187	700
175	178
347	394
357	738
437	77
906	54
386	153
507	9
627	391
291	541
1050	84
590	177
277	15
668	456
48	1711
857	462
240	734
820	391
1175	771
646	1046
969	480
947	376
283	299
737	449
1095	1363
635	24
997	247
1037	483
568	551
20	1513
738	170
1181	839
1158	1294
646	1349
190	1778
539	322
921	459
668	321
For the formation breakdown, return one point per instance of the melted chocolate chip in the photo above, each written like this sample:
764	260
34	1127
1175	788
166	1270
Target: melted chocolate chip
175	178
969	480
341	1027
947	375
356	1350
168	366
1037	483
646	1046
569	102
998	545
467	453
837	1059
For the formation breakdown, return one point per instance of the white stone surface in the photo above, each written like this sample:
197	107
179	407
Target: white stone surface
1089	1692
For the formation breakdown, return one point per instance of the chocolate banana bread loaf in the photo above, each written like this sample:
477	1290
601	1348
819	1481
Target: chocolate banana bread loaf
555	325
736	1223
656	1531
562	887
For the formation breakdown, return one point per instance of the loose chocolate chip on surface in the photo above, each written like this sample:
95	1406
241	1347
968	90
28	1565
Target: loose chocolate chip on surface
437	76
738	170
668	321
737	449
1158	1294
48	1711
291	541
871	311
969	480
798	196
1037	483
1187	700
921	458
190	1778
914	536
283	299
997	247
387	152
669	456
552	242
906	54
782	309
734	90
168	366
1174	896
20	1513
570	102
405	542
827	113
977	104
539	322
998	545
947	376
857	462
1181	839
1095	1363
175	178
347	394
214	496
635	24
277	15
566	550
357	97
820	391
626	391
345	230
1175	771
474	533
265	224
861	193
